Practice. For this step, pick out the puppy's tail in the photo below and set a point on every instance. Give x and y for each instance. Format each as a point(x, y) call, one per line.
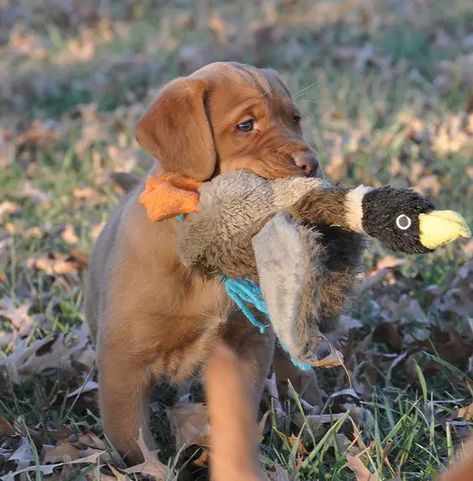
point(125, 180)
point(233, 436)
point(462, 468)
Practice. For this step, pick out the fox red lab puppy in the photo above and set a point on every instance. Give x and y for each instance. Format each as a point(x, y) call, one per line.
point(153, 318)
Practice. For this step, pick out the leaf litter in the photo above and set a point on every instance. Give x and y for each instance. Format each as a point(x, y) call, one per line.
point(401, 322)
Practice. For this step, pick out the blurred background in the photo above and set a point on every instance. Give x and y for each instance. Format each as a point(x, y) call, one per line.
point(386, 89)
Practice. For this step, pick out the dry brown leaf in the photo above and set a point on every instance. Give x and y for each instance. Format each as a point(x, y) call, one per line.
point(6, 429)
point(203, 459)
point(89, 440)
point(362, 473)
point(189, 424)
point(21, 321)
point(118, 475)
point(151, 464)
point(63, 452)
point(90, 195)
point(388, 333)
point(43, 354)
point(57, 263)
point(48, 469)
point(69, 235)
point(389, 261)
point(466, 413)
point(8, 207)
point(294, 440)
point(39, 133)
point(334, 359)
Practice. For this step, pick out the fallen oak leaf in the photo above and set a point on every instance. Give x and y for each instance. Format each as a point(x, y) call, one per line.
point(47, 469)
point(23, 454)
point(84, 388)
point(21, 355)
point(118, 475)
point(151, 464)
point(42, 354)
point(189, 423)
point(89, 440)
point(20, 320)
point(63, 452)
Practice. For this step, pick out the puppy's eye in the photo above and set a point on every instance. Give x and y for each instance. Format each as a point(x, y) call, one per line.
point(246, 126)
point(296, 119)
point(403, 222)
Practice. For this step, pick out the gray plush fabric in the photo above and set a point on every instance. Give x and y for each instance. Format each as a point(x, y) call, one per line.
point(306, 271)
point(288, 257)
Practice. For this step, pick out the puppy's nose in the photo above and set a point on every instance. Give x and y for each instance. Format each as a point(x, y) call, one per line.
point(306, 161)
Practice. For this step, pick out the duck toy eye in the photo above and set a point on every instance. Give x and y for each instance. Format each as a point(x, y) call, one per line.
point(403, 222)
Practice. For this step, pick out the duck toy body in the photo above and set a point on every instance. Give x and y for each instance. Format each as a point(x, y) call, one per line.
point(300, 239)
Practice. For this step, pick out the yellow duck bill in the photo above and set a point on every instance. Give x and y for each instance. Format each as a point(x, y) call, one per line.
point(440, 227)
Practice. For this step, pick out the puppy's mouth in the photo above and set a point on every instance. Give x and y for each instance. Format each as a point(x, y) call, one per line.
point(274, 171)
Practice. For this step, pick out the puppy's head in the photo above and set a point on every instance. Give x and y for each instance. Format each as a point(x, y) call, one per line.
point(224, 117)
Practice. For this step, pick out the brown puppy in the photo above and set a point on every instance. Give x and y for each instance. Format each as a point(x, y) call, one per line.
point(153, 318)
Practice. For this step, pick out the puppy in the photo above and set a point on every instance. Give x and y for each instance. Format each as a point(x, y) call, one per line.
point(154, 319)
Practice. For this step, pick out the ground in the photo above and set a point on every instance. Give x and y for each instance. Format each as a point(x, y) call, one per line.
point(386, 91)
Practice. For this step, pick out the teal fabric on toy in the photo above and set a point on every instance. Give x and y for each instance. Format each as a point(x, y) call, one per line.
point(243, 291)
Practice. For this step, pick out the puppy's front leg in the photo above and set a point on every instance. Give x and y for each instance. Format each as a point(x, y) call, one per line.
point(124, 393)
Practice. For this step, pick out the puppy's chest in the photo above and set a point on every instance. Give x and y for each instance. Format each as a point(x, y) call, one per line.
point(189, 334)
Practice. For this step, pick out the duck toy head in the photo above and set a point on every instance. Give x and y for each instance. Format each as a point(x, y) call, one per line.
point(404, 221)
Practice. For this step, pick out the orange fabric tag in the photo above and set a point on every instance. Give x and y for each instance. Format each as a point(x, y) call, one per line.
point(168, 195)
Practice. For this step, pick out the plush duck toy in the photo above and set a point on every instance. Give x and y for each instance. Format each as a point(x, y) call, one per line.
point(300, 239)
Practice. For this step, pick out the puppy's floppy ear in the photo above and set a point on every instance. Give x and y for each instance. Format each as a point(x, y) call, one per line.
point(175, 129)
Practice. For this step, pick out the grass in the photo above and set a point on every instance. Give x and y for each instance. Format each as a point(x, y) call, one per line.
point(385, 100)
